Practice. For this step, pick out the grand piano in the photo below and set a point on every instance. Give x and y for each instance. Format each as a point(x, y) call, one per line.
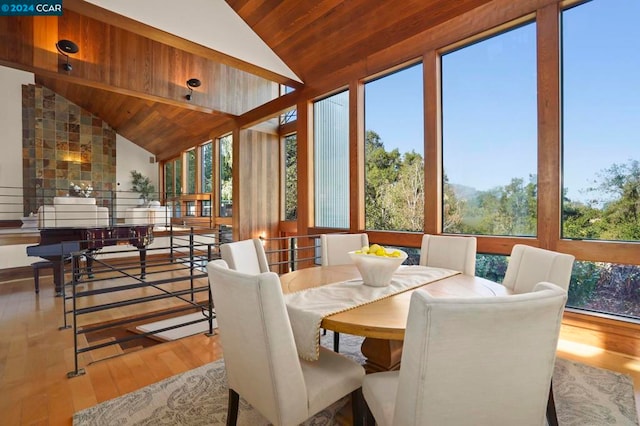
point(57, 245)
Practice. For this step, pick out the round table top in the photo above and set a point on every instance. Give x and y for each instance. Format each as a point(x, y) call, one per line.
point(386, 318)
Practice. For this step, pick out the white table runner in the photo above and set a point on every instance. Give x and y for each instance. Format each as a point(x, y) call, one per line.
point(308, 307)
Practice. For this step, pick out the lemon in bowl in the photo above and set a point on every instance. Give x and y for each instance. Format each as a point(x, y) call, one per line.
point(377, 264)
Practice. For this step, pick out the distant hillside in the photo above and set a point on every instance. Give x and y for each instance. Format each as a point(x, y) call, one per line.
point(464, 192)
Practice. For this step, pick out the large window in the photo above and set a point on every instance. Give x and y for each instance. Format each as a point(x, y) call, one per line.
point(601, 147)
point(489, 130)
point(601, 142)
point(168, 179)
point(291, 177)
point(226, 169)
point(394, 151)
point(206, 165)
point(191, 171)
point(173, 177)
point(177, 186)
point(331, 161)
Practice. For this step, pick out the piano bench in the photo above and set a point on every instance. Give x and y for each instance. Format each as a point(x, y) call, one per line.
point(37, 266)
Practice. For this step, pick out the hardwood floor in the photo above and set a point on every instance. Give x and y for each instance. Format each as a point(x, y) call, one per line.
point(35, 357)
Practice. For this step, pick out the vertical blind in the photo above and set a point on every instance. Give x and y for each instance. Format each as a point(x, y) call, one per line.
point(331, 161)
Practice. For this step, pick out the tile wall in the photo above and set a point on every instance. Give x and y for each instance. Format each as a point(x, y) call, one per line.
point(64, 144)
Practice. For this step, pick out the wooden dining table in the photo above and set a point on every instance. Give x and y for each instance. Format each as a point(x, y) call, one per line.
point(384, 321)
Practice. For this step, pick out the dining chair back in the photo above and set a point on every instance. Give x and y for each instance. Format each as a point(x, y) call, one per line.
point(335, 251)
point(335, 247)
point(246, 256)
point(467, 361)
point(260, 355)
point(530, 265)
point(448, 251)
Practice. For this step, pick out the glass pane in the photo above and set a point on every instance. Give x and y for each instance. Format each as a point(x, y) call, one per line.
point(178, 176)
point(601, 150)
point(605, 287)
point(491, 266)
point(489, 128)
point(191, 171)
point(291, 177)
point(190, 208)
point(168, 179)
point(291, 115)
point(394, 150)
point(206, 208)
point(331, 161)
point(226, 168)
point(206, 166)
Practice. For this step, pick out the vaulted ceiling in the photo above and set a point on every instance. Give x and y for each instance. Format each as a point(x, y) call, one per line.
point(133, 76)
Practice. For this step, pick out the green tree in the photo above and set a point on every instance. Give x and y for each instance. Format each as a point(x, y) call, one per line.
point(191, 171)
point(404, 198)
point(580, 220)
point(613, 209)
point(226, 169)
point(207, 167)
point(503, 210)
point(142, 185)
point(381, 169)
point(620, 186)
point(453, 208)
point(291, 177)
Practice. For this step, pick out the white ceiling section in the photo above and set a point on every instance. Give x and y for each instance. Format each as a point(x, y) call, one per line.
point(210, 23)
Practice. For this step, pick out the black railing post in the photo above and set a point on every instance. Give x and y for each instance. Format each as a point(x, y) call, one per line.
point(191, 261)
point(292, 253)
point(171, 256)
point(75, 273)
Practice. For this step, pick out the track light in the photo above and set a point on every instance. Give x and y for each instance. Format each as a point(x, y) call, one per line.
point(66, 48)
point(191, 83)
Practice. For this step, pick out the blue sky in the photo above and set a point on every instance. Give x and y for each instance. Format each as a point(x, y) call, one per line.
point(490, 106)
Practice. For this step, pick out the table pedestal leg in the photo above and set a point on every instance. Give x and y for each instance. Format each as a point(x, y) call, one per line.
point(381, 354)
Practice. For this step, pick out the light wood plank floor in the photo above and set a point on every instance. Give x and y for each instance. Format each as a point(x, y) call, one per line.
point(35, 357)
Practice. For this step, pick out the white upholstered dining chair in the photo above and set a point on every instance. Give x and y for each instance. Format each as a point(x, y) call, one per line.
point(335, 251)
point(335, 247)
point(246, 256)
point(449, 251)
point(260, 354)
point(467, 361)
point(530, 265)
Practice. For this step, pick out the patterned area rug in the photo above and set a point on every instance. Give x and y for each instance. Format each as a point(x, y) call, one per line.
point(584, 395)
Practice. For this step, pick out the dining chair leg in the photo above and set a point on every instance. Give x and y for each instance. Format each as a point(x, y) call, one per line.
point(336, 341)
point(232, 408)
point(357, 407)
point(552, 416)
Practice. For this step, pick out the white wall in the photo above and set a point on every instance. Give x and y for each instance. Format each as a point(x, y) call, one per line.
point(11, 82)
point(130, 156)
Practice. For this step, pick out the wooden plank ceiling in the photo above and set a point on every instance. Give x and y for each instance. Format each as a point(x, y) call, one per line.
point(134, 76)
point(318, 38)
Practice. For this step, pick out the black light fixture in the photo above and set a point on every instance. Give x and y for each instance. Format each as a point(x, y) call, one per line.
point(191, 83)
point(66, 48)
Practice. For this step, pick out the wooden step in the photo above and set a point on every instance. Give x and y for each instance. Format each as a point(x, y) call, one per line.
point(104, 352)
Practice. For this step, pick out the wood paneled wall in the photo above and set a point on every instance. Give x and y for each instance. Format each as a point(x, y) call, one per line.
point(256, 191)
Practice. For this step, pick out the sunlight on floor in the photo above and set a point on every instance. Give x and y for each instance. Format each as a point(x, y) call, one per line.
point(633, 366)
point(579, 349)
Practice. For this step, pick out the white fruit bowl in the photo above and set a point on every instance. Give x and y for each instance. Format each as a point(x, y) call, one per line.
point(377, 271)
